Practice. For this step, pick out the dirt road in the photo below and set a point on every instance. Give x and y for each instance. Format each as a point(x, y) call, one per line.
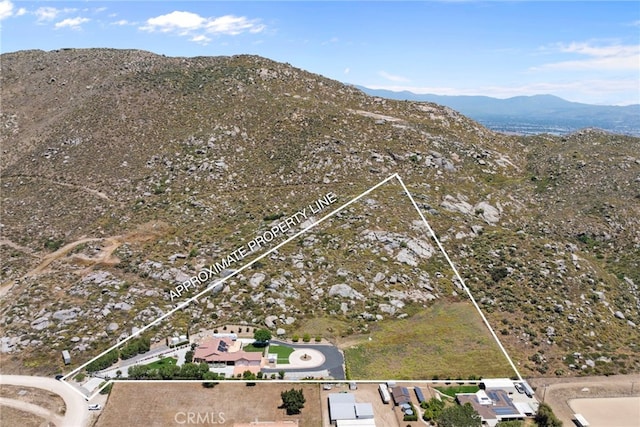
point(76, 414)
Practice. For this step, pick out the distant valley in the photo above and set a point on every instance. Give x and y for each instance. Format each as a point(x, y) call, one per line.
point(529, 115)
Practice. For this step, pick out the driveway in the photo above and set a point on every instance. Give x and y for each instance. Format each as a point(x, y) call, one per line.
point(76, 414)
point(333, 360)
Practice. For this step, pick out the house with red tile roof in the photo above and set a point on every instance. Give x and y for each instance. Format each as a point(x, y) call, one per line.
point(226, 351)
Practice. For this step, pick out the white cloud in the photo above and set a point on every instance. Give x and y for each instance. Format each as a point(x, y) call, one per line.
point(347, 70)
point(233, 25)
point(47, 13)
point(6, 9)
point(187, 23)
point(122, 22)
point(393, 78)
point(174, 21)
point(201, 39)
point(73, 23)
point(605, 57)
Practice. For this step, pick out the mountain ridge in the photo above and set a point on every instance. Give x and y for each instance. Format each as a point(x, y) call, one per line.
point(140, 169)
point(546, 111)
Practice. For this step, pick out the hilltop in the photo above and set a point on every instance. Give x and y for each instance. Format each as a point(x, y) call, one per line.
point(124, 173)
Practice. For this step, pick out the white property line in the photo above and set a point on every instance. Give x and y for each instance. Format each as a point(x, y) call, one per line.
point(187, 302)
point(236, 272)
point(464, 286)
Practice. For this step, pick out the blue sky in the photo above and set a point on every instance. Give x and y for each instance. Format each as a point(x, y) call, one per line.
point(581, 51)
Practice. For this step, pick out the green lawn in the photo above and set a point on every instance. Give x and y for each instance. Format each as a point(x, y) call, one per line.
point(453, 390)
point(253, 348)
point(282, 351)
point(162, 362)
point(446, 340)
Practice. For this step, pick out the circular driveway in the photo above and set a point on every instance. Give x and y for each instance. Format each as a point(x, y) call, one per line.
point(305, 358)
point(333, 359)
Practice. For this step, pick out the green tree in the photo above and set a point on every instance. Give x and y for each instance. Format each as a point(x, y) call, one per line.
point(209, 377)
point(306, 338)
point(190, 371)
point(281, 375)
point(512, 423)
point(104, 361)
point(188, 356)
point(138, 372)
point(546, 418)
point(107, 389)
point(168, 372)
point(432, 409)
point(262, 335)
point(293, 401)
point(459, 416)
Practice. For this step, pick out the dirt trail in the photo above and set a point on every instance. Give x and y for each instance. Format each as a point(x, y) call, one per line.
point(84, 188)
point(142, 233)
point(48, 259)
point(17, 247)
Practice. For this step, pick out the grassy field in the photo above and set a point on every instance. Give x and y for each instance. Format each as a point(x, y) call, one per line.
point(283, 352)
point(227, 403)
point(166, 361)
point(447, 340)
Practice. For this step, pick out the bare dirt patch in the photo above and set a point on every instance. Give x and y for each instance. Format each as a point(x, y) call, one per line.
point(167, 403)
point(15, 417)
point(558, 392)
point(604, 412)
point(143, 233)
point(36, 396)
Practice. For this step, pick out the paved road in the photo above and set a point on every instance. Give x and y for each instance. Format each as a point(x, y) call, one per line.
point(333, 360)
point(76, 414)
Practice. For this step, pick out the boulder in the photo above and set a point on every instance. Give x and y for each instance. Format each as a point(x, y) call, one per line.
point(345, 291)
point(64, 315)
point(41, 323)
point(270, 321)
point(487, 212)
point(256, 279)
point(378, 277)
point(122, 306)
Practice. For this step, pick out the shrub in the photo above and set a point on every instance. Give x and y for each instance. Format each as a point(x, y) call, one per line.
point(306, 338)
point(104, 361)
point(295, 338)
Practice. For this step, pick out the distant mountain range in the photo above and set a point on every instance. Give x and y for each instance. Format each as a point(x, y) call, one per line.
point(531, 114)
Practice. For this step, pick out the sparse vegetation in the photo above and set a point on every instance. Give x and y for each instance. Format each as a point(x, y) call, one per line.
point(532, 223)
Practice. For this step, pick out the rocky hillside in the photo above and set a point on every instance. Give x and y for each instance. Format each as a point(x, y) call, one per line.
point(124, 173)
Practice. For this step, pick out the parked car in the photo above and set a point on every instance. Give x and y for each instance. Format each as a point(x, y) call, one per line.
point(326, 386)
point(95, 407)
point(59, 377)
